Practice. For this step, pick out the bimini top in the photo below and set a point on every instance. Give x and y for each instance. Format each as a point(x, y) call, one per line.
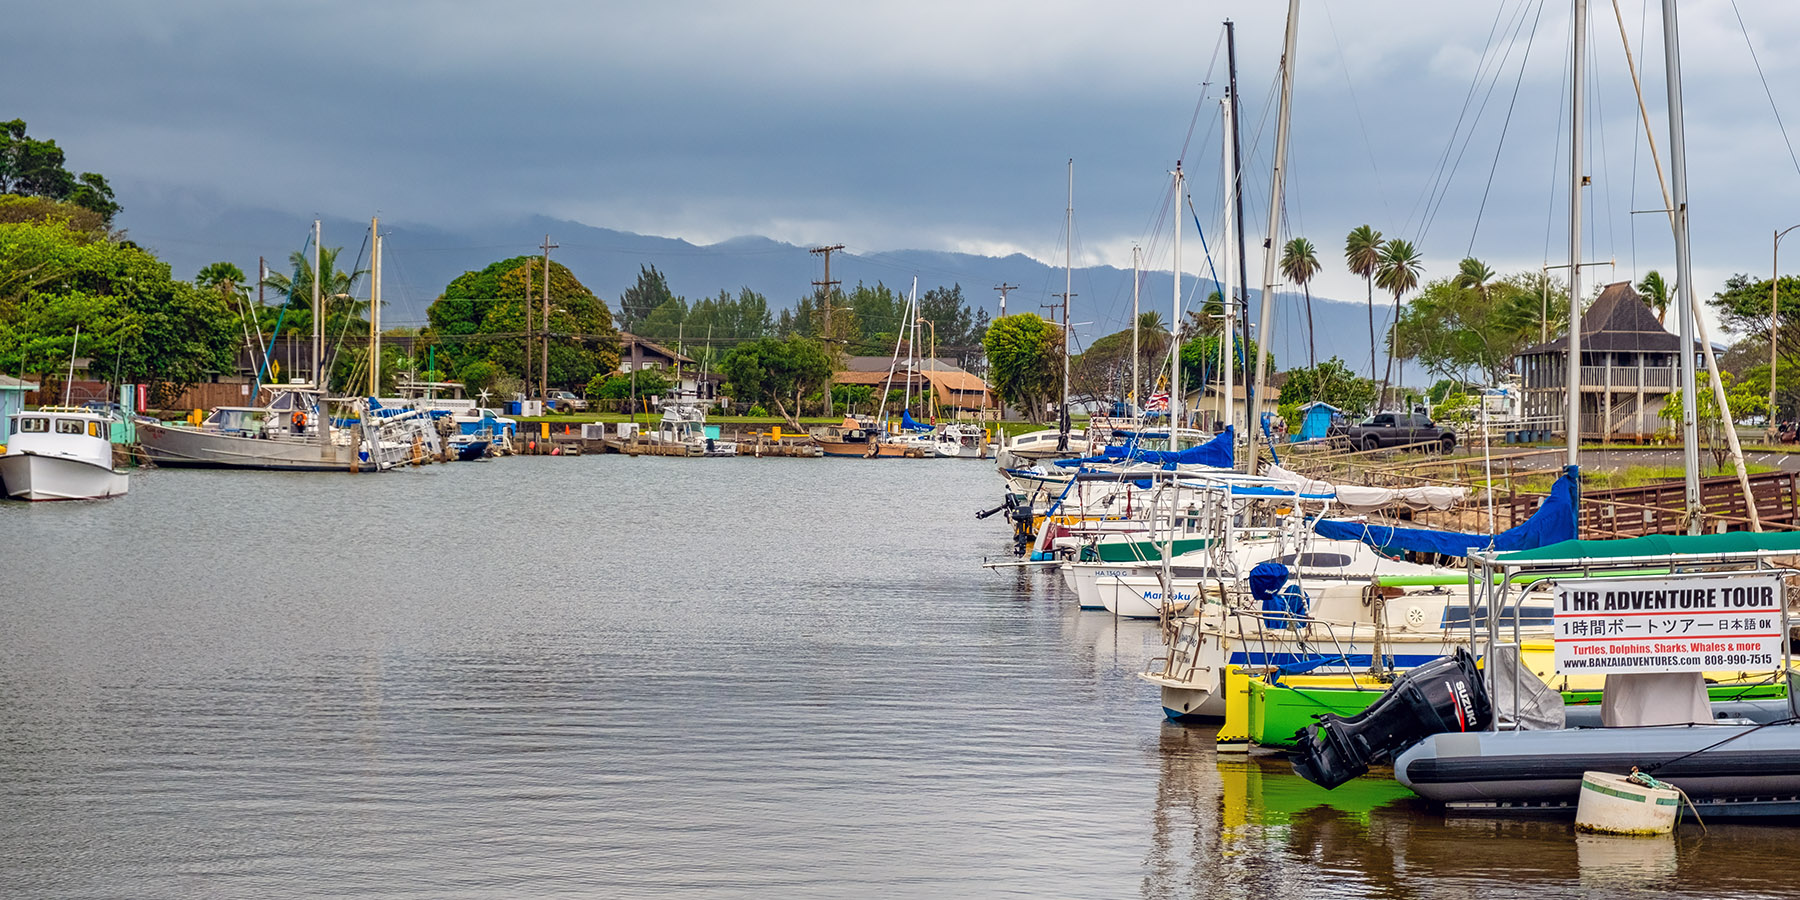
point(1660, 545)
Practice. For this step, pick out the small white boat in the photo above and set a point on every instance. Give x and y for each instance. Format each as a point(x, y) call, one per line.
point(61, 453)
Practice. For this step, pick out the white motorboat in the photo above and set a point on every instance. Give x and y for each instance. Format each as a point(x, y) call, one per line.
point(61, 453)
point(684, 424)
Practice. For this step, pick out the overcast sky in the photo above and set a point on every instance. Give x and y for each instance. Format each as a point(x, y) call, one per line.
point(924, 124)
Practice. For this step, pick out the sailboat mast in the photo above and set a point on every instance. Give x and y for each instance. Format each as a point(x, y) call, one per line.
point(1684, 272)
point(1175, 328)
point(1068, 287)
point(1576, 116)
point(1237, 183)
point(1277, 177)
point(317, 314)
point(1135, 382)
point(375, 308)
point(1229, 158)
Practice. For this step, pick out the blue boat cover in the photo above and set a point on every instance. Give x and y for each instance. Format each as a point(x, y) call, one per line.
point(1216, 453)
point(1285, 607)
point(1552, 523)
point(910, 424)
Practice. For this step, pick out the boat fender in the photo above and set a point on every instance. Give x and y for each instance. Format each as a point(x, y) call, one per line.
point(874, 448)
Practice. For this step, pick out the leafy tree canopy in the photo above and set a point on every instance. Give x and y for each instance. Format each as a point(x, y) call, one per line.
point(137, 323)
point(482, 314)
point(34, 168)
point(1024, 361)
point(772, 371)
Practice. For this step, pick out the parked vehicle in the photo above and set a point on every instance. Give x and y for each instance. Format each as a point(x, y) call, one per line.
point(567, 402)
point(1399, 429)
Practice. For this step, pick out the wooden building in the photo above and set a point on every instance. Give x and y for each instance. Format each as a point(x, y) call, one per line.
point(1628, 371)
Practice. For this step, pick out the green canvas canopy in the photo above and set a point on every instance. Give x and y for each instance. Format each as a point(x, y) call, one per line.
point(1661, 545)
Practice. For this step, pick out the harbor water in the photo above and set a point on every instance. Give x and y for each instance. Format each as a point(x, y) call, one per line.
point(653, 677)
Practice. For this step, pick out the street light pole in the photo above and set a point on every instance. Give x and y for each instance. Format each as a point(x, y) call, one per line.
point(1775, 325)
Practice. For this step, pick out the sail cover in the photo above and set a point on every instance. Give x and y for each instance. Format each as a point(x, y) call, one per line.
point(910, 424)
point(1215, 453)
point(1553, 522)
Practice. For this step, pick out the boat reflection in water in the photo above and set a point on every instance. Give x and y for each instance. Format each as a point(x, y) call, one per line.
point(1249, 827)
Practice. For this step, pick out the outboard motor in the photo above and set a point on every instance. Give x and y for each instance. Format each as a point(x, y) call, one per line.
point(1444, 695)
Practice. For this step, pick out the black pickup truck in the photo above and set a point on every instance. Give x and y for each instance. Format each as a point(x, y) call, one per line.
point(1398, 429)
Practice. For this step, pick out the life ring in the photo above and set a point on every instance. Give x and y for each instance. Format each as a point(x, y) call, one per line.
point(299, 418)
point(874, 448)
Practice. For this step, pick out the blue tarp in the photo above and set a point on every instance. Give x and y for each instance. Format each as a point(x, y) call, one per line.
point(1553, 522)
point(907, 422)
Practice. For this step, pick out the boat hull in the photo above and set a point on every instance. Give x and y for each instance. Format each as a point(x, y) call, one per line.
point(1728, 769)
point(175, 447)
point(36, 476)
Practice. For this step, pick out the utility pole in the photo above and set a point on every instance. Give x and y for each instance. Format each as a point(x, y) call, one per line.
point(825, 289)
point(526, 304)
point(1003, 288)
point(544, 369)
point(825, 302)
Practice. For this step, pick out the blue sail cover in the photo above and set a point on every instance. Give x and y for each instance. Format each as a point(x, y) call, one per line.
point(910, 424)
point(1215, 453)
point(1552, 523)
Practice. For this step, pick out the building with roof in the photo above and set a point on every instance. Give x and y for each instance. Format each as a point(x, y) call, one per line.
point(1628, 371)
point(12, 400)
point(957, 390)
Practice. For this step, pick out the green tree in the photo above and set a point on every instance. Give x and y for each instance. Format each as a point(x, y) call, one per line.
point(137, 322)
point(1024, 355)
point(1397, 272)
point(1328, 382)
point(1362, 254)
point(643, 297)
point(1200, 363)
point(34, 168)
point(1299, 263)
point(481, 316)
point(778, 372)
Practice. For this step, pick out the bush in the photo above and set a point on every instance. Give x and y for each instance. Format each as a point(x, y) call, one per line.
point(758, 410)
point(609, 386)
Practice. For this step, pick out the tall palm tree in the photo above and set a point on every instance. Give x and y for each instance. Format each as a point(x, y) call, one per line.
point(1153, 341)
point(1299, 263)
point(1656, 292)
point(1396, 272)
point(1473, 274)
point(1362, 253)
point(332, 282)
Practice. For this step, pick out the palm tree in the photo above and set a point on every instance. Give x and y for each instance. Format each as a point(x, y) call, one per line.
point(332, 284)
point(1656, 292)
point(1397, 272)
point(1362, 253)
point(1153, 341)
point(1299, 263)
point(1473, 274)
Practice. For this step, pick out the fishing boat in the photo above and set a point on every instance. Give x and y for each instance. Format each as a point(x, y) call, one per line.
point(683, 426)
point(287, 434)
point(61, 453)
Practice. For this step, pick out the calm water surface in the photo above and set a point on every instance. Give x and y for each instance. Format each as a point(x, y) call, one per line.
point(615, 677)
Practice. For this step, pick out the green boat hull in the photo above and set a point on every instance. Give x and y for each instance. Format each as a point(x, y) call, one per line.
point(1277, 712)
point(1137, 551)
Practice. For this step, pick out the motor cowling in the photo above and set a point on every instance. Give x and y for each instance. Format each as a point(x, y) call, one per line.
point(1444, 695)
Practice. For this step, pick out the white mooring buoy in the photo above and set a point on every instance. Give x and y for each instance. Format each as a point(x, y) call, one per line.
point(1626, 804)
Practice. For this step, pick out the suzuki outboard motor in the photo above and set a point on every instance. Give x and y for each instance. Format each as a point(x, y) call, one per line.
point(1442, 695)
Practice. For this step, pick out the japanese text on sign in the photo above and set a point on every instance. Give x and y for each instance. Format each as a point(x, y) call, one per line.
point(1693, 624)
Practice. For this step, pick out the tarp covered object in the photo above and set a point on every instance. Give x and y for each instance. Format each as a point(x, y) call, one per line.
point(910, 424)
point(1362, 498)
point(1553, 522)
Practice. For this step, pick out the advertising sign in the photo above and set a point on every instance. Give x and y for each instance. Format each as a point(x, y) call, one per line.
point(1668, 624)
